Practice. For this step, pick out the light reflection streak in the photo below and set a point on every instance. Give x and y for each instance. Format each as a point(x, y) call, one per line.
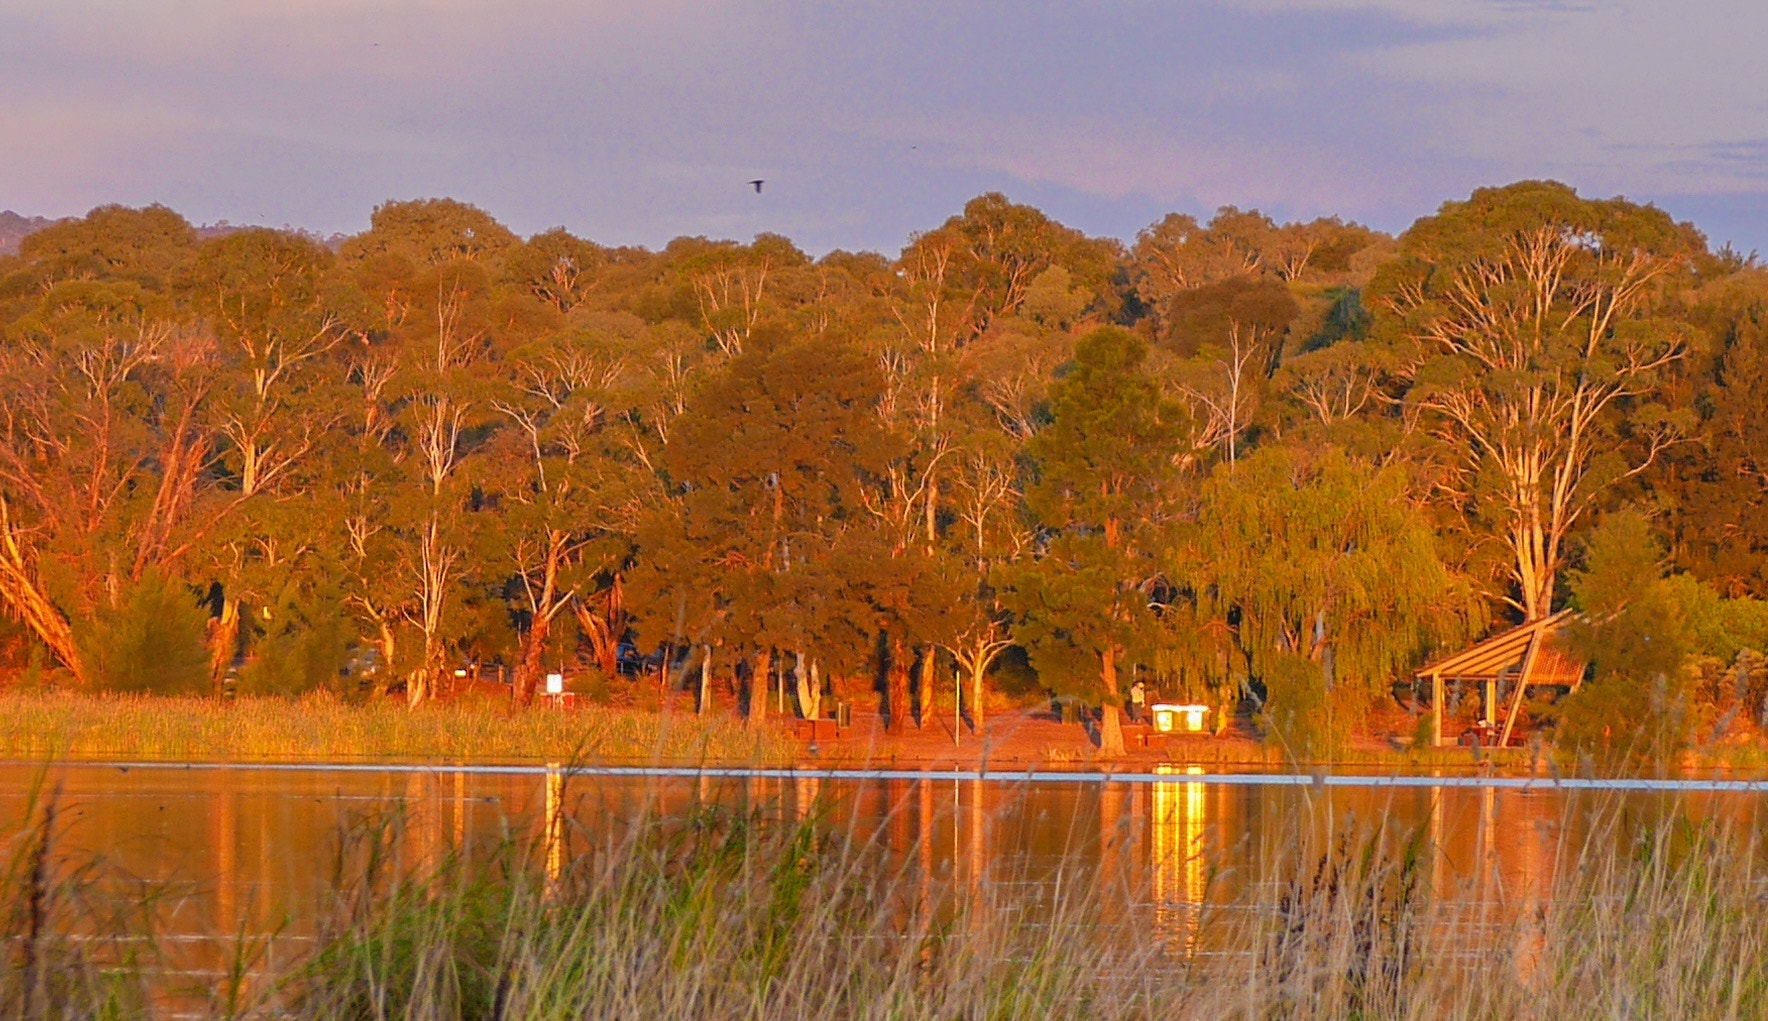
point(1180, 813)
point(553, 839)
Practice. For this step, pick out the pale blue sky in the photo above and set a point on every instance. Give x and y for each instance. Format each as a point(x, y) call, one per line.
point(633, 121)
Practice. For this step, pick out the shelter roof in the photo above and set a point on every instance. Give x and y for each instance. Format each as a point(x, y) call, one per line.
point(1505, 652)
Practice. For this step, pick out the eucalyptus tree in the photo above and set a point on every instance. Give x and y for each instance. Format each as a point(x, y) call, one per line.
point(1179, 253)
point(989, 536)
point(724, 289)
point(1102, 486)
point(1537, 326)
point(560, 500)
point(442, 315)
point(277, 311)
point(103, 441)
point(430, 232)
point(148, 247)
point(1231, 335)
point(559, 269)
point(999, 266)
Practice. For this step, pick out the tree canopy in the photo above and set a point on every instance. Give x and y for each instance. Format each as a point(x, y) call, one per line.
point(1232, 458)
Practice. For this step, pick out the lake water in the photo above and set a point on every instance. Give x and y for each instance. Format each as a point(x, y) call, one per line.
point(225, 850)
point(246, 848)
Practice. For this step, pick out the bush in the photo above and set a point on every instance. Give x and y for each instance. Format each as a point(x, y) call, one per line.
point(152, 641)
point(1638, 632)
point(1621, 722)
point(303, 647)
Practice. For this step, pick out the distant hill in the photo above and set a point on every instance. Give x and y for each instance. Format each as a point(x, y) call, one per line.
point(15, 228)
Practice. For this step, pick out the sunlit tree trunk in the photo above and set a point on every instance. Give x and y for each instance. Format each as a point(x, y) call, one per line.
point(1110, 726)
point(810, 695)
point(25, 598)
point(924, 686)
point(896, 687)
point(224, 643)
point(388, 644)
point(530, 666)
point(435, 576)
point(760, 679)
point(705, 698)
point(978, 669)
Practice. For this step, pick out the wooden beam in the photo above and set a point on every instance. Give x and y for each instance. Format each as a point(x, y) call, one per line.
point(1522, 685)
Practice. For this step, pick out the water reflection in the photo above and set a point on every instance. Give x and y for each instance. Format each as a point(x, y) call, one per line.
point(241, 850)
point(553, 842)
point(1177, 858)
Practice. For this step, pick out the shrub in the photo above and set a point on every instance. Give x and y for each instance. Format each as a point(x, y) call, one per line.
point(151, 641)
point(1622, 722)
point(303, 647)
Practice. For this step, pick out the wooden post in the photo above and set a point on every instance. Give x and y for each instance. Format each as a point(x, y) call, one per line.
point(1487, 711)
point(1436, 708)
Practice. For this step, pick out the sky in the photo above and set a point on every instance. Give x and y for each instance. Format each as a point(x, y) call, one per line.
point(635, 121)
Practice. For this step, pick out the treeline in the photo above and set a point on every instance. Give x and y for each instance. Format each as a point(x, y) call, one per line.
point(1235, 456)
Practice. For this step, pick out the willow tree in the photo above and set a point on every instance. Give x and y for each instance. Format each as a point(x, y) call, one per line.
point(1538, 330)
point(1323, 577)
point(1103, 472)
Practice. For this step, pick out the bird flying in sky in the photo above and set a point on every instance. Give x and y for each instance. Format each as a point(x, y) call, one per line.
point(757, 185)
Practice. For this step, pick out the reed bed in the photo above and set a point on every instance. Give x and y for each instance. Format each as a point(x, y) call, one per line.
point(154, 728)
point(720, 915)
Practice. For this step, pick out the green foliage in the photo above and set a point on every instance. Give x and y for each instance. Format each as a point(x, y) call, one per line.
point(1102, 481)
point(1210, 316)
point(146, 245)
point(1302, 717)
point(1714, 492)
point(1634, 631)
point(151, 641)
point(429, 232)
point(302, 645)
point(1625, 723)
point(1317, 559)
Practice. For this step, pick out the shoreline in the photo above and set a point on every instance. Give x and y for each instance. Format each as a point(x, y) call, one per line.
point(74, 729)
point(1490, 781)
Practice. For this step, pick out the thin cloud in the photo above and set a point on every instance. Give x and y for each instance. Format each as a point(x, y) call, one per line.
point(635, 121)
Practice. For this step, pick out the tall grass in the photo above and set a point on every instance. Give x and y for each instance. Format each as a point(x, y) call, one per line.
point(724, 915)
point(730, 916)
point(149, 728)
point(65, 947)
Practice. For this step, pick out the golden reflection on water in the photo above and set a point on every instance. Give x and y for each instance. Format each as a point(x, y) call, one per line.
point(553, 843)
point(1177, 858)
